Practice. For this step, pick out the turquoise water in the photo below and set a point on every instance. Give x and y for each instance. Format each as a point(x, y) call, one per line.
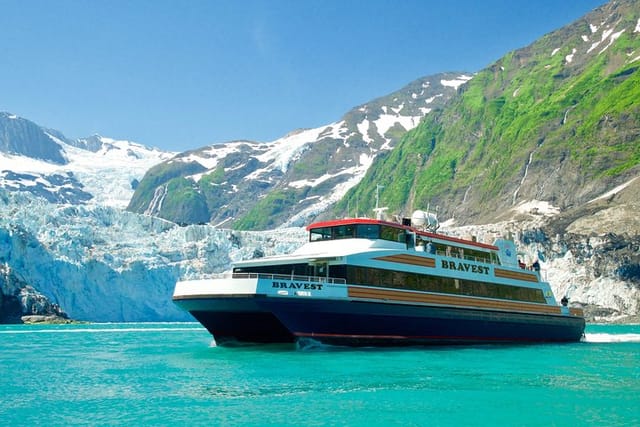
point(168, 374)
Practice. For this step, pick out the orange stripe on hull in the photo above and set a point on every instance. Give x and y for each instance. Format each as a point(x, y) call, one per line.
point(409, 259)
point(450, 300)
point(515, 275)
point(578, 312)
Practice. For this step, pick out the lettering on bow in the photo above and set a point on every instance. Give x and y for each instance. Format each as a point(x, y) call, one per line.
point(297, 285)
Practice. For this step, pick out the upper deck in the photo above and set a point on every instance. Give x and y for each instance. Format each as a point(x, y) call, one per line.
point(368, 228)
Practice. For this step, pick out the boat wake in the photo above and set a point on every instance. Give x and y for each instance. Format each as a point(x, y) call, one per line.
point(309, 344)
point(611, 338)
point(95, 330)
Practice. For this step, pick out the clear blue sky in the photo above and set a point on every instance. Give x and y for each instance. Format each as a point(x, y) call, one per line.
point(179, 75)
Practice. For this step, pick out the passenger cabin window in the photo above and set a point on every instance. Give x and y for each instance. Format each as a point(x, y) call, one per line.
point(323, 233)
point(369, 276)
point(368, 231)
point(392, 233)
point(360, 231)
point(451, 250)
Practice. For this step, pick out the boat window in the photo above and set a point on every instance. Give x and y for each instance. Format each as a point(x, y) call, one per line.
point(391, 233)
point(344, 232)
point(349, 231)
point(476, 255)
point(446, 285)
point(323, 233)
point(368, 231)
point(362, 231)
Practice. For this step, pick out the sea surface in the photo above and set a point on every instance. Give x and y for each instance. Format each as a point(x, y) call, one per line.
point(169, 374)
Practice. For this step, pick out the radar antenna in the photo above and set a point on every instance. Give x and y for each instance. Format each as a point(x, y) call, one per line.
point(425, 220)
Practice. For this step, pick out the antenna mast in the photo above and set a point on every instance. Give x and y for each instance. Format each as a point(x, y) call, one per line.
point(378, 210)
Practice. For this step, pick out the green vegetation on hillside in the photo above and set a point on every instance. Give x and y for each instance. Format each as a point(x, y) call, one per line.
point(563, 122)
point(158, 175)
point(261, 216)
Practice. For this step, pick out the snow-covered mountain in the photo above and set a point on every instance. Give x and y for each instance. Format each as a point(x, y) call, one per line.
point(289, 181)
point(95, 170)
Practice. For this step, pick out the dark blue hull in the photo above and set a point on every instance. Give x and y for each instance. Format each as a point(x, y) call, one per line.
point(237, 319)
point(363, 323)
point(369, 323)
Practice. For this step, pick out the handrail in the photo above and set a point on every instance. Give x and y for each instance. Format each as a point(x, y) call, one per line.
point(467, 257)
point(318, 279)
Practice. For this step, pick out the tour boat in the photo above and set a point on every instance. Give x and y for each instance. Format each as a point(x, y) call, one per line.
point(373, 282)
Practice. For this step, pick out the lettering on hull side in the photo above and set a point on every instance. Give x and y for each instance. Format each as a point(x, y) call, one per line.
point(465, 266)
point(297, 285)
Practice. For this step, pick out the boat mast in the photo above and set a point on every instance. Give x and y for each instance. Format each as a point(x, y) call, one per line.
point(378, 210)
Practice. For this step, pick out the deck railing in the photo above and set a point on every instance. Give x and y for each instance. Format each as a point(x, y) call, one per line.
point(315, 279)
point(454, 254)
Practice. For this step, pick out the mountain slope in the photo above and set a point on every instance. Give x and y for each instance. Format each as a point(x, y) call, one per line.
point(252, 185)
point(90, 170)
point(557, 121)
point(24, 138)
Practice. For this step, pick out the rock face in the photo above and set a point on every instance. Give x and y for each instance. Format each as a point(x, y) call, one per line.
point(23, 137)
point(590, 253)
point(20, 302)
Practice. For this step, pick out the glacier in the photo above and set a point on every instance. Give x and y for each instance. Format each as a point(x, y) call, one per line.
point(104, 264)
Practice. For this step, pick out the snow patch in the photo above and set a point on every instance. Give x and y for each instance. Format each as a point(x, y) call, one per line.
point(339, 191)
point(456, 83)
point(607, 34)
point(433, 98)
point(614, 191)
point(363, 128)
point(387, 121)
point(637, 29)
point(612, 39)
point(569, 57)
point(397, 110)
point(283, 150)
point(209, 158)
point(536, 207)
point(555, 51)
point(336, 130)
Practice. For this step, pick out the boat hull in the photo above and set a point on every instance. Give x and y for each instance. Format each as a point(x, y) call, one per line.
point(237, 319)
point(374, 323)
point(262, 319)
